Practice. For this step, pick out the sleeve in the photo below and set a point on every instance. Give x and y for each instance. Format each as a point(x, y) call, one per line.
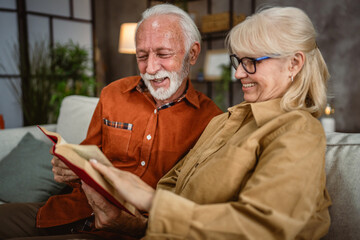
point(277, 201)
point(94, 133)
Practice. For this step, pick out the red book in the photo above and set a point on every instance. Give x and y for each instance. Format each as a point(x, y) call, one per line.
point(77, 157)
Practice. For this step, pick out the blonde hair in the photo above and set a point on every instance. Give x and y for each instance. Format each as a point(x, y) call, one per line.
point(282, 31)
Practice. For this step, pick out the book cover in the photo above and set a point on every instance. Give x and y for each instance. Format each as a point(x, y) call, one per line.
point(76, 157)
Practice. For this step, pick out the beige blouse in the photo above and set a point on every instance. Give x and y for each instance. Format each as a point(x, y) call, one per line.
point(256, 172)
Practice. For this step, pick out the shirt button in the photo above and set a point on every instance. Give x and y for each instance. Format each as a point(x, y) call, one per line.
point(220, 141)
point(155, 111)
point(148, 137)
point(142, 163)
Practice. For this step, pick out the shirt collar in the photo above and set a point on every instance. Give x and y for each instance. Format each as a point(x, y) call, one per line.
point(130, 83)
point(262, 111)
point(192, 95)
point(136, 82)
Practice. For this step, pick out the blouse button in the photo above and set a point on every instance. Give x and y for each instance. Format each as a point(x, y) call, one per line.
point(155, 111)
point(142, 163)
point(148, 137)
point(220, 141)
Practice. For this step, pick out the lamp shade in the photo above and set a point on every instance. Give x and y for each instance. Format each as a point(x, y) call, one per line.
point(127, 38)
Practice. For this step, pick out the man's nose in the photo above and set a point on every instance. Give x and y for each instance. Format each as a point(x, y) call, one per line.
point(153, 65)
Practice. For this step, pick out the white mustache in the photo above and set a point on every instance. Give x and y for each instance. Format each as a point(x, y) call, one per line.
point(158, 75)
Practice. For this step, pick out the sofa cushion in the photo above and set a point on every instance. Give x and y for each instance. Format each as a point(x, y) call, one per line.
point(74, 118)
point(11, 137)
point(25, 173)
point(343, 184)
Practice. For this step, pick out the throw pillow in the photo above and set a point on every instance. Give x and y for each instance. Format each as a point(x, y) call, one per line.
point(25, 173)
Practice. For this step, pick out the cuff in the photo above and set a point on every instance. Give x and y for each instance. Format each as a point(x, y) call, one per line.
point(170, 216)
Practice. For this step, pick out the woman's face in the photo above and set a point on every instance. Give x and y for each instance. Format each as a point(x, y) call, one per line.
point(271, 79)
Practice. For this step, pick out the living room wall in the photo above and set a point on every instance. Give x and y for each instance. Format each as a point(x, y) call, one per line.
point(337, 24)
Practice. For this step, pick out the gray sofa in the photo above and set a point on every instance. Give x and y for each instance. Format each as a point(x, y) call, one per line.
point(342, 162)
point(25, 166)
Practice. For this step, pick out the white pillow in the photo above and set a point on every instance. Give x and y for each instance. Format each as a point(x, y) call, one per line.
point(75, 116)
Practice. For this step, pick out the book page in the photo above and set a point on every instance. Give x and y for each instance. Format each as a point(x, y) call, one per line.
point(82, 167)
point(90, 152)
point(54, 137)
point(77, 157)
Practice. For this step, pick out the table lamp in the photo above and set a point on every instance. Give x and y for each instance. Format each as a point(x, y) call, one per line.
point(127, 38)
point(127, 41)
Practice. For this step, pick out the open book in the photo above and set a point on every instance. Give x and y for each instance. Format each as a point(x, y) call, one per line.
point(77, 157)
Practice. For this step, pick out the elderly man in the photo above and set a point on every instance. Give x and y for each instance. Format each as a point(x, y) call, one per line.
point(142, 124)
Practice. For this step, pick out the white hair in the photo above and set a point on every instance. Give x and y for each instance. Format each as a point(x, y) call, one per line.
point(190, 30)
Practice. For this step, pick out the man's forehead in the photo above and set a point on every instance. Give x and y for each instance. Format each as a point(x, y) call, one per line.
point(155, 24)
point(159, 33)
point(162, 21)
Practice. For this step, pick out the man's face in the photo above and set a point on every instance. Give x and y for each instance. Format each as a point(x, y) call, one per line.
point(161, 56)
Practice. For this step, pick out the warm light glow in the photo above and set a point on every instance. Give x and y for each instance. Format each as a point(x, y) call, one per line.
point(327, 110)
point(127, 38)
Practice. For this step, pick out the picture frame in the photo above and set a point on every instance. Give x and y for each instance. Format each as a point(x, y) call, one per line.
point(213, 61)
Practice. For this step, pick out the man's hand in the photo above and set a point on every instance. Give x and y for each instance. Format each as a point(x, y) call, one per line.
point(110, 218)
point(62, 173)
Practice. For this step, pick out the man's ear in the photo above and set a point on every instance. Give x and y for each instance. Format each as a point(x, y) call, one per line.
point(194, 52)
point(297, 62)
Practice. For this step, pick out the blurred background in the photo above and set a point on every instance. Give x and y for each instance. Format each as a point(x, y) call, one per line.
point(53, 48)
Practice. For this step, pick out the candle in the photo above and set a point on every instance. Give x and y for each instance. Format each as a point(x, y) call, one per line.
point(328, 124)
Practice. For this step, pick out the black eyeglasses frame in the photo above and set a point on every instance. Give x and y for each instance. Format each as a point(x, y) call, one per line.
point(240, 60)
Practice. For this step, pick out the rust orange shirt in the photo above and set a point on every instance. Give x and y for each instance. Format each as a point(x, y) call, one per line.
point(137, 137)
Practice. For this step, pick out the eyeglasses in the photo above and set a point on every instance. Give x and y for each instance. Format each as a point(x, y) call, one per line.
point(249, 64)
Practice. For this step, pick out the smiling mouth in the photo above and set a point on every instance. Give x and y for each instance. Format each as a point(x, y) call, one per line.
point(248, 85)
point(159, 80)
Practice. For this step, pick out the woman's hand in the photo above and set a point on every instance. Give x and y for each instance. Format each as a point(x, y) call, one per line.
point(128, 185)
point(110, 218)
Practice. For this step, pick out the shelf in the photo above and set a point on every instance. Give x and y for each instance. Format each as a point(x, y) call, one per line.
point(214, 35)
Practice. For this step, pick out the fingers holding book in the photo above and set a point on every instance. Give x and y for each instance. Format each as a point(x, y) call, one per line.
point(111, 218)
point(128, 185)
point(62, 173)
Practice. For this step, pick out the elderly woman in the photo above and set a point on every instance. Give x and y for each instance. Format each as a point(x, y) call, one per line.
point(257, 172)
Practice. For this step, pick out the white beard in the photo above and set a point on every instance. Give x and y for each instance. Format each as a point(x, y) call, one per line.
point(176, 79)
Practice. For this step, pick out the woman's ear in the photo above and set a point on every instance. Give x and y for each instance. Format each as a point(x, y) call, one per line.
point(297, 62)
point(194, 52)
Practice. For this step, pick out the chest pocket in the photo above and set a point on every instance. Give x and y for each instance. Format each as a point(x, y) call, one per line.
point(116, 140)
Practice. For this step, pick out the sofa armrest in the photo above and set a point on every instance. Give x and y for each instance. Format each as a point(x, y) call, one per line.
point(343, 177)
point(9, 138)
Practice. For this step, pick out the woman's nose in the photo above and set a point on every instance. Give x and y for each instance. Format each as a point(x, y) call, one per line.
point(240, 72)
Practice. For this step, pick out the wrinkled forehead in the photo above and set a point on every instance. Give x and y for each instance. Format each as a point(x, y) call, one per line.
point(156, 33)
point(162, 23)
point(167, 26)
